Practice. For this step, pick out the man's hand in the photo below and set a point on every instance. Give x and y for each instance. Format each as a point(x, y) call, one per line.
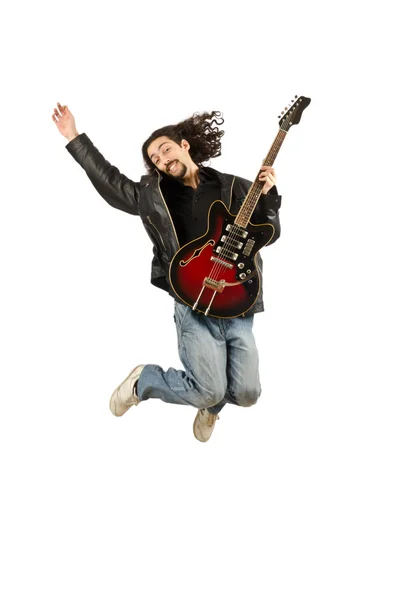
point(64, 120)
point(268, 176)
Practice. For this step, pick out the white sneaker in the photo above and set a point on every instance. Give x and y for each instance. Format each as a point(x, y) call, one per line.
point(204, 424)
point(124, 396)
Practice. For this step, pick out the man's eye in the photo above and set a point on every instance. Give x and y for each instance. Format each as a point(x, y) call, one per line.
point(168, 149)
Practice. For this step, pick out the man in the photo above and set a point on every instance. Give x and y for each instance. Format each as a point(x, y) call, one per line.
point(219, 355)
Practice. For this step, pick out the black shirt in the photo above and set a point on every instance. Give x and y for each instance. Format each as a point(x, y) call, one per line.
point(189, 207)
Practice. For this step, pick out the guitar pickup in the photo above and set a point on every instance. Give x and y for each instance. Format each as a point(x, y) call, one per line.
point(226, 253)
point(230, 242)
point(236, 230)
point(235, 243)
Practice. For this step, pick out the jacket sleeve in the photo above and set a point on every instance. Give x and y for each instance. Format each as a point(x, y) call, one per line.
point(114, 187)
point(266, 210)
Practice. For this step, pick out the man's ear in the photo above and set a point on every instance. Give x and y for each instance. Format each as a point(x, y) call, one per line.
point(185, 145)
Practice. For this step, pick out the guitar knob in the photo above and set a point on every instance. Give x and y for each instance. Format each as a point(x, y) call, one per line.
point(242, 275)
point(240, 265)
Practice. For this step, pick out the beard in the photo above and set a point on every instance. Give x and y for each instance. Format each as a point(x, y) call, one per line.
point(180, 172)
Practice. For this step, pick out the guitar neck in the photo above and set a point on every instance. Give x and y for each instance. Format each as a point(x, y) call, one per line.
point(255, 190)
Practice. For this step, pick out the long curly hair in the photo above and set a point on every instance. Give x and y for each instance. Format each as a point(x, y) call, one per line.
point(200, 130)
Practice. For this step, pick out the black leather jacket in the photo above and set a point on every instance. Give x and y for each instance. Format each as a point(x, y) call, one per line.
point(146, 200)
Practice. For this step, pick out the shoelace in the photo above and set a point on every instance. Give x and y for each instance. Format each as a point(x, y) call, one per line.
point(211, 419)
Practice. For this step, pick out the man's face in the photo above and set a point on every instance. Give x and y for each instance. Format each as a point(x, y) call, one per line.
point(169, 157)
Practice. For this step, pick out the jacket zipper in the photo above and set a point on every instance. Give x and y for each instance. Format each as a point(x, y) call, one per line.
point(165, 204)
point(231, 190)
point(161, 237)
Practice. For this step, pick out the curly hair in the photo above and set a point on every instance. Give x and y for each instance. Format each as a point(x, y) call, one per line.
point(200, 130)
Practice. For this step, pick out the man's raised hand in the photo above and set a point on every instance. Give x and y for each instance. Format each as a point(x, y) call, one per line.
point(64, 120)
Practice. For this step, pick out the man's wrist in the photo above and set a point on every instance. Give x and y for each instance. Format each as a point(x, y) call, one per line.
point(71, 136)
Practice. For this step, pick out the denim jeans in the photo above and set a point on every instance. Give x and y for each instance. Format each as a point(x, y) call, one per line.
point(220, 360)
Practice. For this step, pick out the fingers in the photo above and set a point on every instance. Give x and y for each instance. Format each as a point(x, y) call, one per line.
point(266, 169)
point(268, 178)
point(267, 172)
point(59, 111)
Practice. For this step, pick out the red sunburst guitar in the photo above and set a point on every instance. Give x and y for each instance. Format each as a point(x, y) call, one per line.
point(217, 274)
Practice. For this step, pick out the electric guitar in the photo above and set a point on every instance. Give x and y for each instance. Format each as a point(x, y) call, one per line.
point(217, 273)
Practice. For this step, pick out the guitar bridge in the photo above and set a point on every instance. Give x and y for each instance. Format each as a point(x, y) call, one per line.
point(221, 262)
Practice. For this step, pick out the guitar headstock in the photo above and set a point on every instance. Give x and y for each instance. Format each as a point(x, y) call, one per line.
point(291, 115)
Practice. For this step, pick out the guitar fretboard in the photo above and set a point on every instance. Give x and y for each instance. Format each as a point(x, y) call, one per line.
point(255, 190)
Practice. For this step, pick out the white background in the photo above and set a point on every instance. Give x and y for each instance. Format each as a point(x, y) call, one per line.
point(292, 498)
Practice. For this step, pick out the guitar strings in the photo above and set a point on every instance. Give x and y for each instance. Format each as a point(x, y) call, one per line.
point(233, 237)
point(255, 191)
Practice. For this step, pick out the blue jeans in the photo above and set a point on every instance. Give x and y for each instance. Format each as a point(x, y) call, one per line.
point(220, 360)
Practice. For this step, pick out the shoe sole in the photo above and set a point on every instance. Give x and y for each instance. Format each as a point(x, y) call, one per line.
point(194, 432)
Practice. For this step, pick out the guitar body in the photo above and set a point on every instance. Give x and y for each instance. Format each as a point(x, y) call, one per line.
point(217, 273)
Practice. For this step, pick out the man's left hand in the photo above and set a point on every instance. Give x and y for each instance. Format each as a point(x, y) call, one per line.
point(268, 176)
